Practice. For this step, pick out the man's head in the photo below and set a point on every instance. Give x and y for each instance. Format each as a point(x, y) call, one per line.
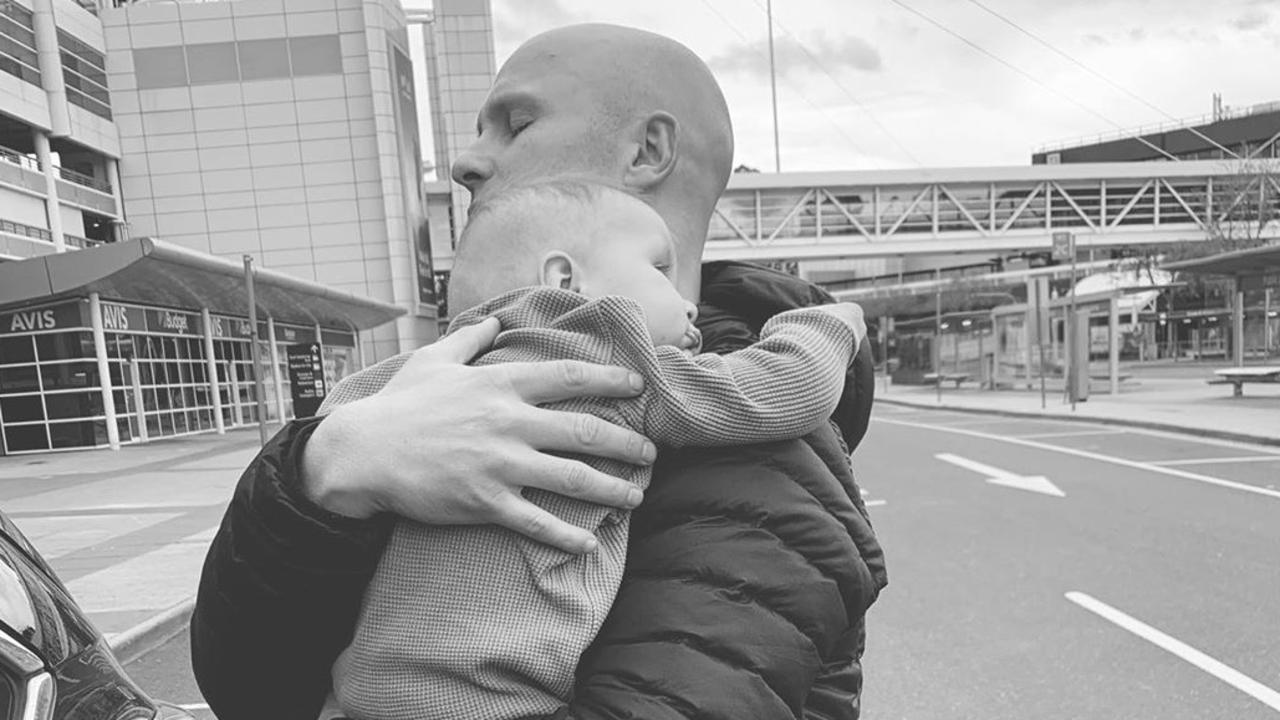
point(620, 106)
point(578, 236)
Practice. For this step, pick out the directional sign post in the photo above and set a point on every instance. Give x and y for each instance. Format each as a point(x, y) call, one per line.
point(306, 378)
point(996, 476)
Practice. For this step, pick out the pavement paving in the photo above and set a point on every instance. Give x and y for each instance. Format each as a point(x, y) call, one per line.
point(1159, 396)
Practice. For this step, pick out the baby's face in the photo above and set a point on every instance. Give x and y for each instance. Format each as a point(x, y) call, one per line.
point(633, 255)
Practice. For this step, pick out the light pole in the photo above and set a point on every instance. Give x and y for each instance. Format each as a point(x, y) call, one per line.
point(773, 88)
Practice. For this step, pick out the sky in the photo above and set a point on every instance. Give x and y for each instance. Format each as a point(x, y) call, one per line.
point(877, 84)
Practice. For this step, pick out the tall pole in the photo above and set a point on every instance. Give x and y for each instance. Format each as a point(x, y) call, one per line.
point(937, 331)
point(1040, 323)
point(773, 88)
point(253, 349)
point(1073, 351)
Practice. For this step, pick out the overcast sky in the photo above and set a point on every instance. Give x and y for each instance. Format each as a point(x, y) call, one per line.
point(865, 84)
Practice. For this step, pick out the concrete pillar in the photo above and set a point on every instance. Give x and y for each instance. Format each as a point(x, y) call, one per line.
point(104, 370)
point(1028, 325)
point(52, 208)
point(50, 60)
point(275, 369)
point(138, 400)
point(1266, 322)
point(1237, 326)
point(120, 228)
point(211, 368)
point(1113, 335)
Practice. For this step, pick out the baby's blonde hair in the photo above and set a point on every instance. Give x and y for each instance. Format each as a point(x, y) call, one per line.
point(507, 235)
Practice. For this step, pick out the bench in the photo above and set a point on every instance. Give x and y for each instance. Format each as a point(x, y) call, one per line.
point(957, 378)
point(1238, 376)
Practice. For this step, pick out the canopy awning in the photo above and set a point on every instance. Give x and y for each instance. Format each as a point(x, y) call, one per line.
point(152, 272)
point(1254, 261)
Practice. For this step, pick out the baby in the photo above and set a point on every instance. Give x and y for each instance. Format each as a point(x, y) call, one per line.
point(478, 622)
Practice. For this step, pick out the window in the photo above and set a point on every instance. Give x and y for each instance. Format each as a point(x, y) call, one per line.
point(212, 63)
point(263, 59)
point(85, 75)
point(160, 67)
point(316, 55)
point(18, 42)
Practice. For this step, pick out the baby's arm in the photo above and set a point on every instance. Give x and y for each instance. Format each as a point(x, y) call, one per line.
point(781, 387)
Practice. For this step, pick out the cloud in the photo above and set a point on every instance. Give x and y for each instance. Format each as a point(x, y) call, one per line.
point(1253, 19)
point(513, 21)
point(848, 52)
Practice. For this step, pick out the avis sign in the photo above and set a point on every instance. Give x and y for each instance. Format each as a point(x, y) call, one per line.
point(57, 317)
point(306, 378)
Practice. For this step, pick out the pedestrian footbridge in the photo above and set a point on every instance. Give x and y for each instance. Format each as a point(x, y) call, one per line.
point(866, 214)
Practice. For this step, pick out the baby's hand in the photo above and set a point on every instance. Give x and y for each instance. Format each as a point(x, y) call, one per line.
point(851, 314)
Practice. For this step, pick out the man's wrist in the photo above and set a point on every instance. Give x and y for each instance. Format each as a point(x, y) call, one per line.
point(326, 479)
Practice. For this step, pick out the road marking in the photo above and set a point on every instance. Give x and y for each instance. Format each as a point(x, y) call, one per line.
point(875, 503)
point(996, 476)
point(1218, 669)
point(195, 706)
point(1208, 479)
point(1073, 433)
point(1210, 461)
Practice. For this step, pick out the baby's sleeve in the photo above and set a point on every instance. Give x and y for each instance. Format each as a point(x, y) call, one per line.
point(781, 387)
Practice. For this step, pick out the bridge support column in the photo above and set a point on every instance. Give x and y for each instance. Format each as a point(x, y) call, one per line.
point(1237, 325)
point(1113, 333)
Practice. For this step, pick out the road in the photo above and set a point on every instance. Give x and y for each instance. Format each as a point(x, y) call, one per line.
point(977, 621)
point(1139, 578)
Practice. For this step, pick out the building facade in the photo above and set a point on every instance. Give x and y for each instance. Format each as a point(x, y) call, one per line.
point(282, 130)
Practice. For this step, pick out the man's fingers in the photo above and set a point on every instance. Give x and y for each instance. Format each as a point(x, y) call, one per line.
point(532, 521)
point(586, 434)
point(462, 346)
point(546, 382)
point(580, 481)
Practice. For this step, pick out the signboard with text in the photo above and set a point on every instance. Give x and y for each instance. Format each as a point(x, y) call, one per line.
point(306, 378)
point(56, 317)
point(410, 152)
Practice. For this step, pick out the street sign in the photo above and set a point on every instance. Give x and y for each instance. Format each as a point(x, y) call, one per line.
point(1063, 247)
point(306, 378)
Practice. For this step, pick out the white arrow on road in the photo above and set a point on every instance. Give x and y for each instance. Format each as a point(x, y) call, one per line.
point(996, 476)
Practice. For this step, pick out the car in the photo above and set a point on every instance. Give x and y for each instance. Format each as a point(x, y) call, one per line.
point(54, 665)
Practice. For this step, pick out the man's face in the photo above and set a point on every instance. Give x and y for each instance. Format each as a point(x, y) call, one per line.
point(542, 118)
point(633, 254)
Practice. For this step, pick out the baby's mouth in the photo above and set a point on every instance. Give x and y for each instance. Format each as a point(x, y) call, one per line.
point(692, 341)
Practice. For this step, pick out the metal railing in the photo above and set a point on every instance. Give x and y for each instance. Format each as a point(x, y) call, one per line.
point(85, 180)
point(16, 158)
point(1165, 126)
point(81, 242)
point(17, 228)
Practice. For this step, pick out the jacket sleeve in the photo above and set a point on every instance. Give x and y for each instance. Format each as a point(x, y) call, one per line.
point(781, 387)
point(280, 591)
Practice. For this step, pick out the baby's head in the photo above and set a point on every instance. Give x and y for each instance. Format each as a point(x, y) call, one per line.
point(578, 236)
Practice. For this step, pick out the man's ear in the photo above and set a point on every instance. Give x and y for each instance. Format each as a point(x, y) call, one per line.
point(559, 271)
point(656, 152)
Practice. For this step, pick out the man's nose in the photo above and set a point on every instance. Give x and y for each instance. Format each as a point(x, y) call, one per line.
point(473, 168)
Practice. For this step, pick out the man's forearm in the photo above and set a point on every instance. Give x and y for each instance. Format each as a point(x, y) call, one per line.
point(280, 591)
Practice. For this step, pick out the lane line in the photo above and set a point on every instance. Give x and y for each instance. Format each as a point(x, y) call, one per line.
point(1208, 479)
point(1183, 651)
point(875, 503)
point(1073, 433)
point(1210, 461)
point(195, 706)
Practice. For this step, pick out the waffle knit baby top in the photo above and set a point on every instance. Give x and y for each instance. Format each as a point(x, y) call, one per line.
point(477, 622)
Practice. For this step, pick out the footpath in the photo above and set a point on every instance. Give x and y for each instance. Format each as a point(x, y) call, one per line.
point(127, 531)
point(1167, 396)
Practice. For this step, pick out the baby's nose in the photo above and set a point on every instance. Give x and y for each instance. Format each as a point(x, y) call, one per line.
point(691, 311)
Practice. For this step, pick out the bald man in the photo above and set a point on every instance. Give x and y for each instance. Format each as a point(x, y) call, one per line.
point(749, 572)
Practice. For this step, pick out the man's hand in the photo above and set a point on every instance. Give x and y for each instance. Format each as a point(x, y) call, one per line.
point(851, 314)
point(448, 444)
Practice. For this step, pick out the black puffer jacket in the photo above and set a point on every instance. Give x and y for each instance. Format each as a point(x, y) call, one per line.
point(749, 572)
point(750, 569)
